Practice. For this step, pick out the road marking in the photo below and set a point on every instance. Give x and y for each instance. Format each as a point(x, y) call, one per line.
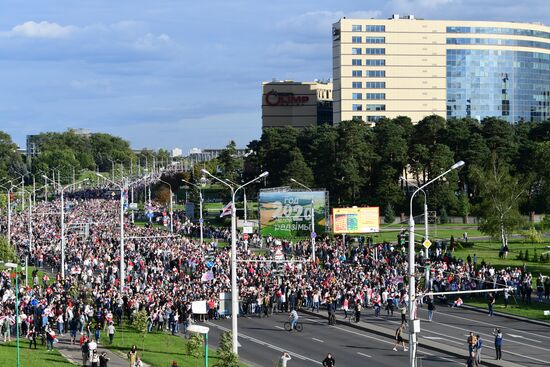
point(279, 327)
point(271, 346)
point(364, 355)
point(493, 325)
point(318, 340)
point(432, 337)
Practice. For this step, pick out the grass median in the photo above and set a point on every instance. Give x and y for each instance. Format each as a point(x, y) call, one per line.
point(160, 349)
point(31, 357)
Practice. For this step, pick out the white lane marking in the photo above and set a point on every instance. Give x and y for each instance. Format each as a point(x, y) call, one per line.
point(279, 327)
point(448, 337)
point(495, 325)
point(432, 337)
point(318, 340)
point(271, 346)
point(364, 355)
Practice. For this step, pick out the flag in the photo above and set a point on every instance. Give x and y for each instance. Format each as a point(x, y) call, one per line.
point(207, 276)
point(227, 209)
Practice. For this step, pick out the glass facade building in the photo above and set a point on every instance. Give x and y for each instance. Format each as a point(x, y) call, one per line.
point(448, 68)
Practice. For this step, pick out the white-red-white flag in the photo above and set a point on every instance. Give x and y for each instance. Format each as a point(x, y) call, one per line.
point(227, 209)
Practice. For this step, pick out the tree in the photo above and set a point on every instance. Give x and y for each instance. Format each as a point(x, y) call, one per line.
point(226, 357)
point(389, 214)
point(7, 252)
point(229, 163)
point(140, 324)
point(10, 160)
point(297, 169)
point(500, 195)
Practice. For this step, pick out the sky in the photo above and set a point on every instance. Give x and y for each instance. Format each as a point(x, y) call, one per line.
point(179, 73)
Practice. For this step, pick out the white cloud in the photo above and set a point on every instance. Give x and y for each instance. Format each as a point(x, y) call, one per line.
point(43, 29)
point(150, 41)
point(321, 21)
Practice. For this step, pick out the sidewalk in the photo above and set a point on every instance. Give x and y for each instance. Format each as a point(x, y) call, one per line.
point(422, 342)
point(74, 354)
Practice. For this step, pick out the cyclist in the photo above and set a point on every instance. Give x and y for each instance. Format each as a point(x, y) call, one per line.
point(293, 318)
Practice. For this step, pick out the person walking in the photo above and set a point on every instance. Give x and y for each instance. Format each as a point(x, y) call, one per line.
point(32, 336)
point(85, 349)
point(479, 347)
point(103, 360)
point(472, 341)
point(284, 359)
point(132, 355)
point(498, 343)
point(431, 309)
point(111, 332)
point(94, 358)
point(329, 361)
point(490, 303)
point(399, 338)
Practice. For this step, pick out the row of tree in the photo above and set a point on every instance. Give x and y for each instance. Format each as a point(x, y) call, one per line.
point(362, 165)
point(70, 151)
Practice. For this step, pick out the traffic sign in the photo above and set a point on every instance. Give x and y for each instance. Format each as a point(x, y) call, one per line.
point(313, 234)
point(200, 221)
point(427, 243)
point(150, 215)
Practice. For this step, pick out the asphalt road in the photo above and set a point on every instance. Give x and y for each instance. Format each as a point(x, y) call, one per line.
point(264, 339)
point(524, 343)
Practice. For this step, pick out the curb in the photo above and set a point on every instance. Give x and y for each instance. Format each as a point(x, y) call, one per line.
point(428, 344)
point(506, 315)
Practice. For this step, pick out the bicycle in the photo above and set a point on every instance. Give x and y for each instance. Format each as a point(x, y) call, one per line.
point(353, 319)
point(298, 327)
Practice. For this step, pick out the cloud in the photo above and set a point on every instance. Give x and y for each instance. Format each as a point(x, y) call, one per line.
point(43, 29)
point(320, 21)
point(150, 41)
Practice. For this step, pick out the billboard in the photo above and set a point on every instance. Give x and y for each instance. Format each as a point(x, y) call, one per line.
point(356, 220)
point(287, 214)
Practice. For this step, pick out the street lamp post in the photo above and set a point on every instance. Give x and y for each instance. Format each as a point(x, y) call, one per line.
point(14, 266)
point(171, 209)
point(201, 220)
point(413, 323)
point(121, 187)
point(63, 225)
point(234, 288)
point(427, 273)
point(312, 220)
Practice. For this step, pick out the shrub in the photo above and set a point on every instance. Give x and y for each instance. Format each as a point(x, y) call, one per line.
point(520, 255)
point(443, 217)
point(532, 235)
point(194, 345)
point(225, 352)
point(535, 257)
point(465, 244)
point(526, 257)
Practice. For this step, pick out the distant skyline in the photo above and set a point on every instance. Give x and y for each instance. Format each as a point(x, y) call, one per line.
point(167, 73)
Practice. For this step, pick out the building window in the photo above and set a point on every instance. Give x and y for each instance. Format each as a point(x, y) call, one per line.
point(356, 62)
point(357, 85)
point(375, 96)
point(375, 51)
point(376, 107)
point(356, 73)
point(356, 51)
point(356, 28)
point(375, 28)
point(357, 107)
point(356, 39)
point(374, 62)
point(374, 118)
point(376, 85)
point(357, 96)
point(376, 73)
point(375, 39)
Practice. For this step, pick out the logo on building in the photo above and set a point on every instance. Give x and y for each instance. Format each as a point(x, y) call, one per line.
point(274, 98)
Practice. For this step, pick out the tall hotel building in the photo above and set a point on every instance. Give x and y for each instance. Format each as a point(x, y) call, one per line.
point(413, 67)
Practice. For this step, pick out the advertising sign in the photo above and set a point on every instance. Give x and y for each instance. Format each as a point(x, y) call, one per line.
point(199, 307)
point(287, 214)
point(356, 220)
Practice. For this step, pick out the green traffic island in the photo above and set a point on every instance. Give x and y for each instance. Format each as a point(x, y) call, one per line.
point(161, 348)
point(31, 357)
point(515, 307)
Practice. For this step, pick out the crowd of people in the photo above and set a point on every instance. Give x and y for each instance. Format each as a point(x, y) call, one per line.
point(165, 273)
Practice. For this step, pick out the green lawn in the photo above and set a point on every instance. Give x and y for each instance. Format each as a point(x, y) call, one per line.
point(160, 348)
point(31, 357)
point(488, 251)
point(515, 307)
